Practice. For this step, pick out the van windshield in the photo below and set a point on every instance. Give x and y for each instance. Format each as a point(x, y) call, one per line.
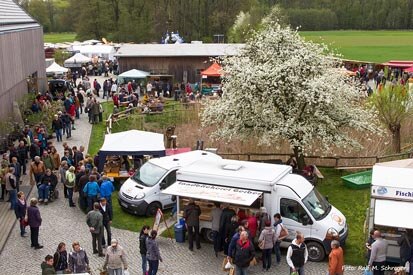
point(149, 174)
point(316, 203)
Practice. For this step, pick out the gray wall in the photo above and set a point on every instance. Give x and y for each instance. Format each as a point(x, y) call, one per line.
point(175, 66)
point(21, 55)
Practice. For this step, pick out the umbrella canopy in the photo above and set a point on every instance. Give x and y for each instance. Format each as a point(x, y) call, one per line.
point(409, 70)
point(56, 68)
point(214, 70)
point(77, 60)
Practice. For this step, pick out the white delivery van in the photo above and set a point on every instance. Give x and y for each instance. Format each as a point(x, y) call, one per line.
point(251, 185)
point(141, 193)
point(391, 202)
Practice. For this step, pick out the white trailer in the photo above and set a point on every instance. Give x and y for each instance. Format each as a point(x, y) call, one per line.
point(391, 202)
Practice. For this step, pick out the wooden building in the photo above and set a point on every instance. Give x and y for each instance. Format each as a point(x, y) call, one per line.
point(22, 62)
point(183, 62)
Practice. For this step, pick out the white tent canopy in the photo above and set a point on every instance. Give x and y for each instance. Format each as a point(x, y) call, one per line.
point(77, 60)
point(132, 74)
point(132, 142)
point(107, 52)
point(56, 68)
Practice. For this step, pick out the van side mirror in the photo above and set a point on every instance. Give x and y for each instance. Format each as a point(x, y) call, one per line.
point(327, 198)
point(307, 220)
point(162, 185)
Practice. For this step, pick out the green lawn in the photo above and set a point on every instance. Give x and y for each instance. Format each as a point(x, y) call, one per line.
point(374, 46)
point(353, 204)
point(98, 130)
point(59, 37)
point(127, 221)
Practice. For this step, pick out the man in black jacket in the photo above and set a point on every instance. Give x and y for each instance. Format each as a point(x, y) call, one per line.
point(49, 179)
point(243, 253)
point(107, 214)
point(192, 213)
point(57, 126)
point(225, 225)
point(22, 153)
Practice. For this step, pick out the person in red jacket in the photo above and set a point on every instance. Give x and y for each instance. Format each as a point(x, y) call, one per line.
point(115, 99)
point(72, 114)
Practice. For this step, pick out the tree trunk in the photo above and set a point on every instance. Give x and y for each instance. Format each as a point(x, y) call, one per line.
point(298, 153)
point(395, 130)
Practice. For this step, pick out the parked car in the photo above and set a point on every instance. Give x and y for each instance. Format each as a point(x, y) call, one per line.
point(58, 88)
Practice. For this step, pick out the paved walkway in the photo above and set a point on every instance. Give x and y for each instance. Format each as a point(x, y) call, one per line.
point(64, 224)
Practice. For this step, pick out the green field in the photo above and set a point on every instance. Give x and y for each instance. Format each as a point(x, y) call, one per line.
point(374, 46)
point(59, 37)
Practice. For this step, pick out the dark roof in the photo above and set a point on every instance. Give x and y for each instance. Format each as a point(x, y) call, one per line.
point(13, 17)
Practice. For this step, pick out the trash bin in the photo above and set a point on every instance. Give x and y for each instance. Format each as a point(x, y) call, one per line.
point(180, 233)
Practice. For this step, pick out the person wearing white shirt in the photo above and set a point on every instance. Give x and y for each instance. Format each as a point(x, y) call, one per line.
point(378, 254)
point(297, 254)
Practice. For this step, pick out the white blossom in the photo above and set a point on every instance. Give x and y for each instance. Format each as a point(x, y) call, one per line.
point(283, 87)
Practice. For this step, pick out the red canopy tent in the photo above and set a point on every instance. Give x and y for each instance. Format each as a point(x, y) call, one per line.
point(409, 70)
point(214, 70)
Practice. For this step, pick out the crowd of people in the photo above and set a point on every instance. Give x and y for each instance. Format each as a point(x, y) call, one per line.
point(373, 79)
point(238, 235)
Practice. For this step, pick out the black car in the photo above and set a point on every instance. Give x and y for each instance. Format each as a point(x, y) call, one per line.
point(58, 88)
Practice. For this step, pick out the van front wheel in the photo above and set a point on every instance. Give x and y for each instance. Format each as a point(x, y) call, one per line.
point(208, 235)
point(152, 208)
point(315, 252)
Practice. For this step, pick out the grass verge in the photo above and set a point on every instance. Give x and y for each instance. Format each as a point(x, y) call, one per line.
point(59, 37)
point(127, 221)
point(353, 205)
point(373, 46)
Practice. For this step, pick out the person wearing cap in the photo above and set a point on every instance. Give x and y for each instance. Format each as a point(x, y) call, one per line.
point(115, 259)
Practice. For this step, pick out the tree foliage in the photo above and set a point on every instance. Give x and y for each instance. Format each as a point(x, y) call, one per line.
point(146, 20)
point(283, 87)
point(393, 105)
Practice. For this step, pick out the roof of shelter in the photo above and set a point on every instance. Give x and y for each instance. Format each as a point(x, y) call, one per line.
point(178, 50)
point(13, 17)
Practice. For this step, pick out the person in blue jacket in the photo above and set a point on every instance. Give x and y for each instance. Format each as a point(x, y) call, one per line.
point(91, 191)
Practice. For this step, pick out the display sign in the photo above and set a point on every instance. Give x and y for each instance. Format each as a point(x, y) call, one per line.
point(157, 220)
point(213, 193)
point(386, 192)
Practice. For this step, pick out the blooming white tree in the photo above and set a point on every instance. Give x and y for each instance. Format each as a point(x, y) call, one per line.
point(283, 87)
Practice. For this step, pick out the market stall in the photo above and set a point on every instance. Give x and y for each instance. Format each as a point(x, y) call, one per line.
point(105, 52)
point(211, 79)
point(133, 74)
point(76, 61)
point(55, 69)
point(128, 143)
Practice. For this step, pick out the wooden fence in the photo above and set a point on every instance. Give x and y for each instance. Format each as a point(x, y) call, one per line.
point(338, 162)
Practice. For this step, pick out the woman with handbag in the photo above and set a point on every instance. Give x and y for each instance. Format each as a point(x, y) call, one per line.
point(21, 212)
point(266, 243)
